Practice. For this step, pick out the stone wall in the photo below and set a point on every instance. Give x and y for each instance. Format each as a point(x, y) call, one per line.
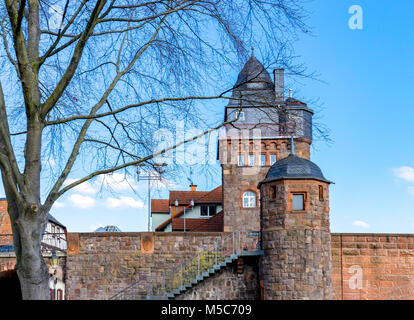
point(100, 265)
point(238, 281)
point(7, 262)
point(364, 266)
point(5, 225)
point(373, 266)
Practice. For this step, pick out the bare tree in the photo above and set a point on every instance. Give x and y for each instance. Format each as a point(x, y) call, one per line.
point(86, 83)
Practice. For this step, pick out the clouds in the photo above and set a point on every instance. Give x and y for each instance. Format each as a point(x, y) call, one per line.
point(82, 202)
point(124, 202)
point(361, 224)
point(86, 202)
point(58, 204)
point(85, 188)
point(84, 195)
point(116, 181)
point(404, 173)
point(407, 174)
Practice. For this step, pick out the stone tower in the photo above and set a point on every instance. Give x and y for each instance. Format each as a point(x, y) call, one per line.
point(295, 231)
point(260, 136)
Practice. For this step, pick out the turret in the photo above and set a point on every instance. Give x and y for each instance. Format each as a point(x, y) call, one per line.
point(295, 231)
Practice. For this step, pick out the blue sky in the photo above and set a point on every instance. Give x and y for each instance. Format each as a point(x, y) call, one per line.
point(366, 88)
point(368, 107)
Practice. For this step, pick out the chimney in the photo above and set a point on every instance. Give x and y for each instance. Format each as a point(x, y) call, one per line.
point(279, 84)
point(193, 187)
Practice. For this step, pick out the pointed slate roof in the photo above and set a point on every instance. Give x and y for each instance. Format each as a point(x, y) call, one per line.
point(253, 84)
point(253, 71)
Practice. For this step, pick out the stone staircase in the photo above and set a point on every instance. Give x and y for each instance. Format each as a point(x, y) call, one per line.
point(202, 276)
point(212, 260)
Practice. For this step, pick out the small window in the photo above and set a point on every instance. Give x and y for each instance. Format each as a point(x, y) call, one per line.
point(321, 193)
point(249, 199)
point(240, 115)
point(298, 202)
point(272, 192)
point(241, 160)
point(262, 159)
point(272, 159)
point(208, 211)
point(212, 210)
point(59, 294)
point(204, 211)
point(251, 160)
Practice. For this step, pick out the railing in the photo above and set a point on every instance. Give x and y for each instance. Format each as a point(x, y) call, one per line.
point(192, 269)
point(266, 129)
point(147, 287)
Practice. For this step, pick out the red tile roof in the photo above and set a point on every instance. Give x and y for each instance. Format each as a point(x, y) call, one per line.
point(160, 205)
point(184, 198)
point(213, 224)
point(215, 196)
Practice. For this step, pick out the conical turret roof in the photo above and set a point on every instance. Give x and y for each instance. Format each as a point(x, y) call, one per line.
point(294, 167)
point(253, 84)
point(253, 72)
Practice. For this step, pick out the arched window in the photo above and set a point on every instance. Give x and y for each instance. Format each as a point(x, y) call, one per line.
point(249, 199)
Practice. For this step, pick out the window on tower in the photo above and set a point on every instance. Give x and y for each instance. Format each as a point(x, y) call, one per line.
point(249, 199)
point(272, 159)
point(240, 115)
point(251, 160)
point(240, 161)
point(262, 159)
point(272, 192)
point(320, 193)
point(298, 202)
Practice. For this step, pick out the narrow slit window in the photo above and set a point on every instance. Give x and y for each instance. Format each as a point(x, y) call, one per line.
point(273, 192)
point(321, 193)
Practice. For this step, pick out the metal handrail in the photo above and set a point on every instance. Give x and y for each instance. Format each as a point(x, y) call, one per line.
point(193, 268)
point(205, 260)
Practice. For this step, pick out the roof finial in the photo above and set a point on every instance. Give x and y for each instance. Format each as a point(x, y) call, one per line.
point(292, 146)
point(252, 51)
point(290, 93)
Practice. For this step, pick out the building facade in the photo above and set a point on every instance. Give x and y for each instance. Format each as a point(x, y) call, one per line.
point(189, 211)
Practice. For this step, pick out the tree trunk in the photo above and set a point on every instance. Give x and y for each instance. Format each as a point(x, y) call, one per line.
point(30, 267)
